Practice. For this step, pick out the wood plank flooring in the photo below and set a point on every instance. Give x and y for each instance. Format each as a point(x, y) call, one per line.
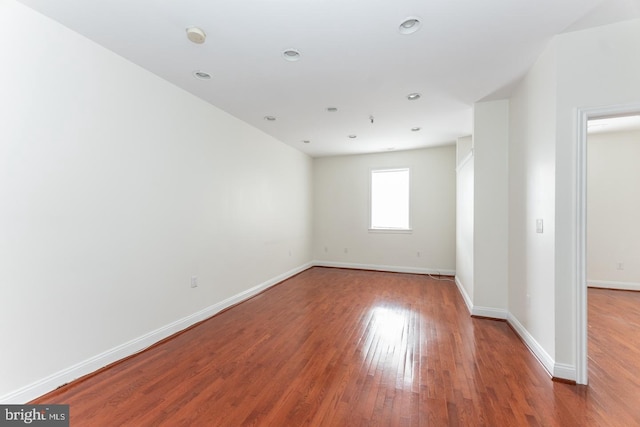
point(334, 347)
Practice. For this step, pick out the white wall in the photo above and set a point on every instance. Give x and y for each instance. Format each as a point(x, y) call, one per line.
point(613, 210)
point(116, 187)
point(532, 128)
point(490, 142)
point(596, 67)
point(464, 219)
point(591, 68)
point(341, 212)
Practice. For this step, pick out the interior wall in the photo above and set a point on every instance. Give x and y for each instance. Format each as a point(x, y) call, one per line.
point(584, 69)
point(596, 67)
point(613, 209)
point(532, 127)
point(464, 219)
point(341, 212)
point(491, 180)
point(116, 188)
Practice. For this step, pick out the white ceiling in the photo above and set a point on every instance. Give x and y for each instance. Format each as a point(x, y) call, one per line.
point(353, 58)
point(614, 124)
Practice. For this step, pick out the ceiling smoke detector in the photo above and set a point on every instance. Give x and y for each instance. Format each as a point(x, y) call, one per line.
point(196, 35)
point(413, 96)
point(410, 25)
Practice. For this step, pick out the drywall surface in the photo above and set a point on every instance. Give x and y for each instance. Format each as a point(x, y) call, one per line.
point(491, 178)
point(341, 211)
point(464, 218)
point(598, 67)
point(613, 210)
point(532, 119)
point(117, 188)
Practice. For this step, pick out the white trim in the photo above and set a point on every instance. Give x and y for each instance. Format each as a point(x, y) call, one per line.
point(371, 228)
point(465, 295)
point(564, 371)
point(556, 370)
point(53, 381)
point(624, 286)
point(391, 230)
point(583, 115)
point(389, 268)
point(545, 359)
point(494, 313)
point(464, 161)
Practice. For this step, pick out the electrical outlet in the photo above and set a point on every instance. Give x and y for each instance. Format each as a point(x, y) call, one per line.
point(194, 281)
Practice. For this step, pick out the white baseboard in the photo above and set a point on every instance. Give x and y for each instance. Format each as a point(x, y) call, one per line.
point(47, 384)
point(625, 286)
point(545, 359)
point(493, 313)
point(389, 268)
point(465, 295)
point(565, 372)
point(474, 310)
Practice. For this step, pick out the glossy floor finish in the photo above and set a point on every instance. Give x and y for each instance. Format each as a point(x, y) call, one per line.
point(333, 347)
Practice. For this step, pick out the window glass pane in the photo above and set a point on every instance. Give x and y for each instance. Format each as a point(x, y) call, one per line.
point(390, 198)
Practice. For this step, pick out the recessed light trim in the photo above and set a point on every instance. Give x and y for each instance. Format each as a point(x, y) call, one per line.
point(201, 75)
point(352, 136)
point(416, 129)
point(332, 109)
point(196, 35)
point(291, 55)
point(410, 25)
point(413, 96)
point(306, 141)
point(270, 118)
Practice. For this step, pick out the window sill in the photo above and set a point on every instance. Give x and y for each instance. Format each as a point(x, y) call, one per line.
point(391, 230)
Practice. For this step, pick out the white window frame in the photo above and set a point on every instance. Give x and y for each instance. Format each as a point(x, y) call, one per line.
point(381, 229)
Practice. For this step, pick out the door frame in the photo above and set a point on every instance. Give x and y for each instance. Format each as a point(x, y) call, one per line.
point(583, 117)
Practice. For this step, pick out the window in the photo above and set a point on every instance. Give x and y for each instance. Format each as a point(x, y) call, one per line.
point(390, 199)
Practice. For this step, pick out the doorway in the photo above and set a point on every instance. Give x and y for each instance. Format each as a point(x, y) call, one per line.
point(600, 117)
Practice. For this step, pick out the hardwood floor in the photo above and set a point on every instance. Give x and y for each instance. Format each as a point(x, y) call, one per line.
point(333, 347)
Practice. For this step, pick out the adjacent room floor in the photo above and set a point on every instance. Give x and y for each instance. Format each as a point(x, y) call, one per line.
point(335, 347)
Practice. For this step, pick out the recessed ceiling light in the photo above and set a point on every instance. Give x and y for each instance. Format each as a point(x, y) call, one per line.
point(196, 35)
point(291, 55)
point(270, 118)
point(416, 129)
point(413, 96)
point(332, 109)
point(202, 75)
point(352, 136)
point(306, 141)
point(409, 25)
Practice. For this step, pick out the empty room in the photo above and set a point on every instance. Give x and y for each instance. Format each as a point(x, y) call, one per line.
point(318, 213)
